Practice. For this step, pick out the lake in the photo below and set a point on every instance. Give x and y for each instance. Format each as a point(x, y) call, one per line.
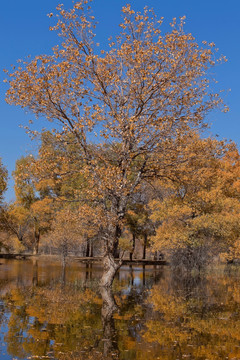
point(151, 313)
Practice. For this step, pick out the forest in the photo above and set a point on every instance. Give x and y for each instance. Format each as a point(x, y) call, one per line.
point(126, 169)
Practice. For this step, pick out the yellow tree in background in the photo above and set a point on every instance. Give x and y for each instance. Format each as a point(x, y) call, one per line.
point(36, 202)
point(201, 210)
point(15, 221)
point(3, 180)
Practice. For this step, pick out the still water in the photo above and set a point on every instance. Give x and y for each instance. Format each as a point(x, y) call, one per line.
point(152, 313)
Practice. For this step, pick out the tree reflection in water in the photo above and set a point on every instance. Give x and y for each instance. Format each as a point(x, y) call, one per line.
point(61, 312)
point(110, 341)
point(149, 314)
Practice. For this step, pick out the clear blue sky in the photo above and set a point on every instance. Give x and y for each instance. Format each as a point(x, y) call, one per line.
point(24, 31)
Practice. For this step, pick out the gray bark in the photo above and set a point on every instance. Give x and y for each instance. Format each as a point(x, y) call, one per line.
point(110, 268)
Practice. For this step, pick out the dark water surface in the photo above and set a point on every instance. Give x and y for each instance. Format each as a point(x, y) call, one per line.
point(151, 313)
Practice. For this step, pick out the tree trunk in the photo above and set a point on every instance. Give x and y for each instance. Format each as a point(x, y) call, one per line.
point(110, 265)
point(130, 256)
point(88, 248)
point(36, 243)
point(110, 268)
point(64, 250)
point(91, 248)
point(144, 247)
point(116, 242)
point(133, 247)
point(63, 275)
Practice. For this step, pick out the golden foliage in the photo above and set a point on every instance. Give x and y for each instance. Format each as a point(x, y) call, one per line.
point(3, 180)
point(203, 204)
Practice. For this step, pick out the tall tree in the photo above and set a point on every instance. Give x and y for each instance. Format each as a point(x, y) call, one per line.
point(138, 98)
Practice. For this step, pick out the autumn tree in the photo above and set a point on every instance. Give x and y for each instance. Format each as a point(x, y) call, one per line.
point(36, 201)
point(15, 221)
point(138, 97)
point(24, 187)
point(138, 220)
point(3, 188)
point(42, 213)
point(198, 214)
point(3, 180)
point(65, 232)
point(53, 177)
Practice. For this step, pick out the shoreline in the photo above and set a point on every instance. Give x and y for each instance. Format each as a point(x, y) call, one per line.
point(82, 259)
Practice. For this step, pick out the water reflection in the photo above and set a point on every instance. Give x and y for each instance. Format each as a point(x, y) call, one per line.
point(110, 339)
point(47, 312)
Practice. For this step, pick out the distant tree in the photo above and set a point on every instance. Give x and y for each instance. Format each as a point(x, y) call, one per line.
point(15, 219)
point(24, 186)
point(200, 212)
point(37, 204)
point(3, 180)
point(140, 225)
point(66, 234)
point(138, 97)
point(42, 213)
point(3, 187)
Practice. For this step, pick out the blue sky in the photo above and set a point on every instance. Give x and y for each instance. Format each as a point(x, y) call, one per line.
point(24, 31)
